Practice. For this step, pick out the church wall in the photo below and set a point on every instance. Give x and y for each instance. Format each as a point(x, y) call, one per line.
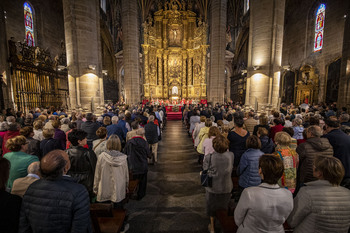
point(48, 23)
point(48, 32)
point(299, 37)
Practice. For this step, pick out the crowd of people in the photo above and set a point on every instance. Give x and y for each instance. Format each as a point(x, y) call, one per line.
point(53, 166)
point(296, 152)
point(291, 165)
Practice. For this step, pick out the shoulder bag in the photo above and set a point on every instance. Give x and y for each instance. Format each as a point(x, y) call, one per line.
point(206, 180)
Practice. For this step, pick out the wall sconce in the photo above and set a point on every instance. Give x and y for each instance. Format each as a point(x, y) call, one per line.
point(256, 67)
point(92, 67)
point(60, 67)
point(104, 72)
point(244, 72)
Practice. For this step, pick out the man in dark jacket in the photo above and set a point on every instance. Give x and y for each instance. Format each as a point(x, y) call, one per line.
point(55, 203)
point(151, 133)
point(308, 151)
point(90, 128)
point(341, 146)
point(138, 151)
point(116, 129)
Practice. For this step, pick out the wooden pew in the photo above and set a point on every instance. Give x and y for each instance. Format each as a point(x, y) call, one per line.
point(105, 219)
point(227, 223)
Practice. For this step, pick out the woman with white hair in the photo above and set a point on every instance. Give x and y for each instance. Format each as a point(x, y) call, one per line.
point(65, 124)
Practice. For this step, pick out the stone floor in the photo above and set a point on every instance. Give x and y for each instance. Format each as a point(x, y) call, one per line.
point(175, 201)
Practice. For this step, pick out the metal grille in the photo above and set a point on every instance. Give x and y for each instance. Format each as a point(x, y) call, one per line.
point(33, 87)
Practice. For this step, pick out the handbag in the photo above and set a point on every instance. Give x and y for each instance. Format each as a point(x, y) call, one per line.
point(206, 180)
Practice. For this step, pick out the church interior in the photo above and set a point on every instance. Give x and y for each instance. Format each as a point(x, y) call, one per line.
point(166, 87)
point(80, 55)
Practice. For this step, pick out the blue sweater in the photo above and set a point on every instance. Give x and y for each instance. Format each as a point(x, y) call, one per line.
point(248, 169)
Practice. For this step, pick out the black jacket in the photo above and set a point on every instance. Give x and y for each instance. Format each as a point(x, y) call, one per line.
point(267, 145)
point(137, 150)
point(151, 133)
point(51, 206)
point(10, 206)
point(341, 146)
point(90, 128)
point(83, 163)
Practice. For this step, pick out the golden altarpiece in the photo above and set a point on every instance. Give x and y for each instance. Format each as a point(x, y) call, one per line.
point(175, 52)
point(307, 86)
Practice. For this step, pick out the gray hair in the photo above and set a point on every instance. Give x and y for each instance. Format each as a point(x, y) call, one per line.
point(34, 168)
point(10, 119)
point(4, 126)
point(298, 121)
point(151, 118)
point(65, 121)
point(344, 117)
point(115, 120)
point(121, 116)
point(212, 118)
point(315, 131)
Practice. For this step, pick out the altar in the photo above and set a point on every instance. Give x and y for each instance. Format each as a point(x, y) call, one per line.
point(173, 108)
point(175, 52)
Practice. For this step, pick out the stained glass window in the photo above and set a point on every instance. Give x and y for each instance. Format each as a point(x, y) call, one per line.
point(319, 27)
point(29, 24)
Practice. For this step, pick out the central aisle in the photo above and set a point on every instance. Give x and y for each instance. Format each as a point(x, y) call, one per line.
point(175, 201)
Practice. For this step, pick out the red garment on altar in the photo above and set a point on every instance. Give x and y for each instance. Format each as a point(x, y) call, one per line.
point(204, 101)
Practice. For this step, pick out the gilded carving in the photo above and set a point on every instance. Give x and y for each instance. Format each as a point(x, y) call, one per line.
point(175, 46)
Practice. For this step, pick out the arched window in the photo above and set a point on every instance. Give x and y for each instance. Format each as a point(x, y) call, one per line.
point(29, 24)
point(319, 27)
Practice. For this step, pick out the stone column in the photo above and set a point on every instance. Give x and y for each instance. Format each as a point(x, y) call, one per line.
point(218, 11)
point(265, 52)
point(82, 35)
point(131, 51)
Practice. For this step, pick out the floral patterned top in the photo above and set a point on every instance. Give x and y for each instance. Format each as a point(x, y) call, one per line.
point(290, 160)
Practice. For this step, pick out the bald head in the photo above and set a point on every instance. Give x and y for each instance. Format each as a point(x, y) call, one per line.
point(34, 168)
point(140, 131)
point(54, 164)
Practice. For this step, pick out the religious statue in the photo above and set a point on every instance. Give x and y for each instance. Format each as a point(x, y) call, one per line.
point(175, 90)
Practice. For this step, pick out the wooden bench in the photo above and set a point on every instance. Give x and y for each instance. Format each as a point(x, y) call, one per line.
point(228, 224)
point(106, 219)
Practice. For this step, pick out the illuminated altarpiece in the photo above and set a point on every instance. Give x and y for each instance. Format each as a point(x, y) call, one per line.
point(175, 51)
